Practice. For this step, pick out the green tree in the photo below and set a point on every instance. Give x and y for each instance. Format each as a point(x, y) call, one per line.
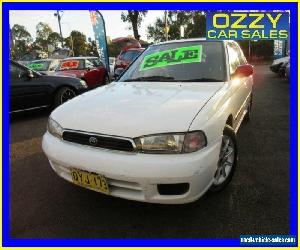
point(92, 49)
point(43, 31)
point(134, 17)
point(113, 50)
point(54, 39)
point(21, 40)
point(192, 21)
point(260, 50)
point(77, 40)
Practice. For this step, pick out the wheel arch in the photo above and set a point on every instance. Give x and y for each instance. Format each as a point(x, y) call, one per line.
point(59, 88)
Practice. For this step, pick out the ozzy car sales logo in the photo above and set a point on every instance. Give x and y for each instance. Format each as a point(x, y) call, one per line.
point(247, 26)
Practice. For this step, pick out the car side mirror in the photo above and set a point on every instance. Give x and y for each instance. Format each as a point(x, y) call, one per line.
point(89, 68)
point(27, 75)
point(118, 72)
point(243, 71)
point(30, 74)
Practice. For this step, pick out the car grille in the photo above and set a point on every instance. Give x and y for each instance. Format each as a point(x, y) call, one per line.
point(100, 141)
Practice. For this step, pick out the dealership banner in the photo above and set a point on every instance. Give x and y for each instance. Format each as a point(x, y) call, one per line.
point(100, 36)
point(247, 26)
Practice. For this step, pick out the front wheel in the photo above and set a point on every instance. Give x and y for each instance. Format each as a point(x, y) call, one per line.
point(227, 160)
point(62, 95)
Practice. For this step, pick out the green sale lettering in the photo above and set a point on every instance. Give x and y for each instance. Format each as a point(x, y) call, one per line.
point(182, 55)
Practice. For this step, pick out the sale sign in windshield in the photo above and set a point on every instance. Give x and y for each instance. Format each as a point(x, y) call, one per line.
point(247, 26)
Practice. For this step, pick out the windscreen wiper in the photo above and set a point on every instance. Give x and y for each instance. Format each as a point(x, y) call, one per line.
point(202, 80)
point(151, 79)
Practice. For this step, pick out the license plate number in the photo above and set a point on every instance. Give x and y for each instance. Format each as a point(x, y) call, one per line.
point(90, 180)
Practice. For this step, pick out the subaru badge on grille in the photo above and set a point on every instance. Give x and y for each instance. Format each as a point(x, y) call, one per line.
point(93, 141)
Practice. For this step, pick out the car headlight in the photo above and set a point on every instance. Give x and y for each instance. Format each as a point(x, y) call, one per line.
point(54, 128)
point(83, 83)
point(171, 143)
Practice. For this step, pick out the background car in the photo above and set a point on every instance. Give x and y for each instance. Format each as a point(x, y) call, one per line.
point(89, 69)
point(44, 66)
point(276, 65)
point(282, 68)
point(32, 90)
point(287, 70)
point(126, 57)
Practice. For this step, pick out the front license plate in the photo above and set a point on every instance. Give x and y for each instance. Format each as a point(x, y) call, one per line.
point(90, 180)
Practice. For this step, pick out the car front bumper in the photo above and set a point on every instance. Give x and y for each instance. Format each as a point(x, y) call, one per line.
point(136, 176)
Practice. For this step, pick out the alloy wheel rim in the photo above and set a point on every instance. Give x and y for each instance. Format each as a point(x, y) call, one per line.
point(226, 160)
point(67, 95)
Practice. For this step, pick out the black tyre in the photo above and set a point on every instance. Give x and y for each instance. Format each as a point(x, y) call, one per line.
point(227, 160)
point(63, 94)
point(249, 110)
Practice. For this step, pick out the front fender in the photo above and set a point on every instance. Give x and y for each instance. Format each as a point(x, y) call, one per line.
point(213, 116)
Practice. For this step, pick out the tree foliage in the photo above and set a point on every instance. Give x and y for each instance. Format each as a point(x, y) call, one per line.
point(92, 49)
point(113, 50)
point(21, 40)
point(78, 39)
point(43, 30)
point(54, 39)
point(192, 21)
point(259, 50)
point(134, 17)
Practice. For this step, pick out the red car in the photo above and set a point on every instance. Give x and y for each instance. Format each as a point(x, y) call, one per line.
point(90, 69)
point(126, 57)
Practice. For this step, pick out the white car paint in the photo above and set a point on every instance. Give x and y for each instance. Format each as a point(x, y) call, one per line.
point(281, 60)
point(137, 104)
point(135, 109)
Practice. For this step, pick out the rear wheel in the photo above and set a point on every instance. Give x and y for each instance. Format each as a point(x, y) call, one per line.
point(227, 160)
point(63, 95)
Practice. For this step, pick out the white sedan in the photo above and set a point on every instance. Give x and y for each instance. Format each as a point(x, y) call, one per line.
point(165, 132)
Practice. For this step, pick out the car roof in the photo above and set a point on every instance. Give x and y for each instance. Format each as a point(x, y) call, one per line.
point(134, 49)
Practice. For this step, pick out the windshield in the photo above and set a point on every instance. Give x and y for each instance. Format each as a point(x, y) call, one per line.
point(72, 64)
point(195, 61)
point(130, 55)
point(39, 65)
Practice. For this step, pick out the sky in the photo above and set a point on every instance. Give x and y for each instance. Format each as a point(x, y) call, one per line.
point(80, 20)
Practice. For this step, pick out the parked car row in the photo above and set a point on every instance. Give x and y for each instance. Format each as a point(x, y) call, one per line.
point(51, 82)
point(30, 89)
point(281, 66)
point(89, 69)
